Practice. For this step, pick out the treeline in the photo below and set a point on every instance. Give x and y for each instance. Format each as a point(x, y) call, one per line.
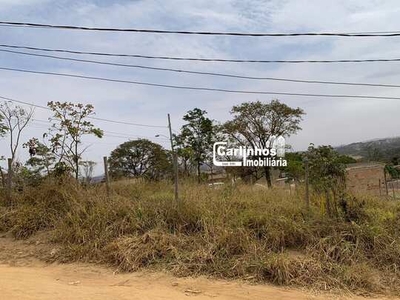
point(60, 149)
point(252, 124)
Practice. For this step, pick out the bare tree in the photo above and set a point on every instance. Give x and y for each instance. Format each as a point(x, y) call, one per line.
point(87, 168)
point(15, 119)
point(3, 132)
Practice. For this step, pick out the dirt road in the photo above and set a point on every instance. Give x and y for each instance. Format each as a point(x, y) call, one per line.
point(22, 277)
point(89, 282)
point(85, 282)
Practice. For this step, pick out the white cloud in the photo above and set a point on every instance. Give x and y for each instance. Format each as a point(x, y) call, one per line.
point(334, 121)
point(21, 2)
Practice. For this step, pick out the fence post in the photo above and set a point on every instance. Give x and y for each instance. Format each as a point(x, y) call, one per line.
point(386, 183)
point(9, 182)
point(105, 160)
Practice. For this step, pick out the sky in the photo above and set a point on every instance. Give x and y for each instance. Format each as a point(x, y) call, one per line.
point(328, 121)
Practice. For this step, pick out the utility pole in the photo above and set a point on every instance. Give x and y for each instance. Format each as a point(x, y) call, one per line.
point(175, 160)
point(307, 183)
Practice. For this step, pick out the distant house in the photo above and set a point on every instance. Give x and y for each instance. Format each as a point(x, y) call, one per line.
point(366, 178)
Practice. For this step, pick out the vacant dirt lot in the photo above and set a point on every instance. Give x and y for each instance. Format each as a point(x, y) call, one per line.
point(22, 277)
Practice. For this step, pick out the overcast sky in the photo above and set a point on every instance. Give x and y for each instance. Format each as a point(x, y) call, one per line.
point(328, 120)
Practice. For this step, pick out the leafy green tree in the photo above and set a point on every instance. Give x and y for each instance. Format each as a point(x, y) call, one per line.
point(70, 125)
point(185, 155)
point(254, 123)
point(345, 159)
point(196, 138)
point(393, 172)
point(140, 158)
point(42, 159)
point(295, 166)
point(25, 176)
point(327, 174)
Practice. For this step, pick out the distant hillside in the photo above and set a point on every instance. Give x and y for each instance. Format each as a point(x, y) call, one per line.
point(375, 150)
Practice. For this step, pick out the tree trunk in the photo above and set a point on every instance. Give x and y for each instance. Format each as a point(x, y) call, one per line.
point(198, 172)
point(76, 162)
point(76, 172)
point(268, 176)
point(185, 171)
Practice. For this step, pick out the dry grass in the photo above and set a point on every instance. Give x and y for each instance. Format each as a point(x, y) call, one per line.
point(230, 232)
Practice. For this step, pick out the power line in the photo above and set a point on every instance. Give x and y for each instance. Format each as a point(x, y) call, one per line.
point(127, 123)
point(24, 102)
point(108, 133)
point(118, 134)
point(196, 88)
point(158, 31)
point(90, 117)
point(202, 59)
point(132, 136)
point(205, 73)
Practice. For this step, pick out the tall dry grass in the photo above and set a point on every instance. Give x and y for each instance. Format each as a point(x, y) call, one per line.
point(231, 232)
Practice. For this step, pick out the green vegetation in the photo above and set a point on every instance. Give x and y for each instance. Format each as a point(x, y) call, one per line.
point(196, 139)
point(65, 135)
point(327, 175)
point(393, 172)
point(60, 149)
point(232, 232)
point(255, 123)
point(140, 158)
